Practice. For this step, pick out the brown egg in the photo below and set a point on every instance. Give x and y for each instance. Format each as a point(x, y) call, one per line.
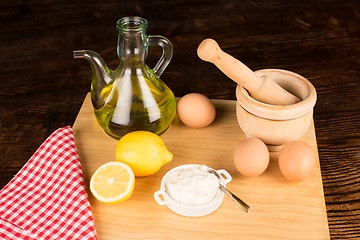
point(251, 157)
point(297, 160)
point(196, 110)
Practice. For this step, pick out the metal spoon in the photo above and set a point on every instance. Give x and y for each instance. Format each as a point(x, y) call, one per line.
point(232, 196)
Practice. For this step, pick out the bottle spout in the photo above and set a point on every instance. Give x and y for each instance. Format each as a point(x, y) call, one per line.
point(94, 58)
point(102, 75)
point(79, 53)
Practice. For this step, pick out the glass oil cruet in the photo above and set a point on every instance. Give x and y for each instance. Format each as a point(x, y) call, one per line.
point(132, 97)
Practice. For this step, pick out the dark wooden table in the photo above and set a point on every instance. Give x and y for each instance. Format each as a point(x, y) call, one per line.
point(42, 87)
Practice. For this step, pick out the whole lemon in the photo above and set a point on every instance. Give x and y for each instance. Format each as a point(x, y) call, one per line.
point(143, 151)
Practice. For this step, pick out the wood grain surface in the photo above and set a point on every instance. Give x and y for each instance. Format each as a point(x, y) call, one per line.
point(42, 87)
point(279, 209)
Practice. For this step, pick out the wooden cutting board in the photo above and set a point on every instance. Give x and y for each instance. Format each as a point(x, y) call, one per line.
point(279, 209)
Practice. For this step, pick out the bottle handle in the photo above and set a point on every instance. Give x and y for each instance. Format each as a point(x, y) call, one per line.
point(166, 54)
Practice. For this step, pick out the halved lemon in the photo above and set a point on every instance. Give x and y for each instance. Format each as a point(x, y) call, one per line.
point(112, 182)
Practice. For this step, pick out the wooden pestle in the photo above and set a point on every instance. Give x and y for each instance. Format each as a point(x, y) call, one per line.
point(262, 89)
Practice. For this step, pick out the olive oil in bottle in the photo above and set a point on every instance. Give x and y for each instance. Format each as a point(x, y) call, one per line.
point(153, 111)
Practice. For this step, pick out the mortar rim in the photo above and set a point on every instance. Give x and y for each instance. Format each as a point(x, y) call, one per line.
point(278, 112)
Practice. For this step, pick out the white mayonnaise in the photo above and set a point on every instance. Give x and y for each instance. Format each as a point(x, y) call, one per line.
point(192, 186)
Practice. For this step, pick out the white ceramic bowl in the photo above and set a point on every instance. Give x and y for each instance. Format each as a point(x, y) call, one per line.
point(163, 198)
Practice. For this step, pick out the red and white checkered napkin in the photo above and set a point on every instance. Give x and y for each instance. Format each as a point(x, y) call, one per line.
point(47, 197)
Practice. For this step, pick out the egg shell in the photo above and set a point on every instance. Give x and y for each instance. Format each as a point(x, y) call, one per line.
point(296, 160)
point(196, 110)
point(251, 157)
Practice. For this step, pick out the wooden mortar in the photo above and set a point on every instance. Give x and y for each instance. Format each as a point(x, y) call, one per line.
point(276, 125)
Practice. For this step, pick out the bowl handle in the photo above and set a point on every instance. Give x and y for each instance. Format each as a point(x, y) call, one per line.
point(164, 199)
point(223, 173)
